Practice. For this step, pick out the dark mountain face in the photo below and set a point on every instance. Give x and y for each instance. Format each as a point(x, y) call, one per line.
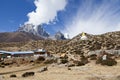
point(36, 30)
point(59, 36)
point(18, 37)
point(41, 32)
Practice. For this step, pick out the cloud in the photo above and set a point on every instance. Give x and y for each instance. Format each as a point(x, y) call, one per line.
point(46, 11)
point(118, 27)
point(95, 18)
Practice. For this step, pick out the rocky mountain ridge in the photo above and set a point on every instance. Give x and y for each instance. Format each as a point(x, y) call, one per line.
point(40, 32)
point(36, 30)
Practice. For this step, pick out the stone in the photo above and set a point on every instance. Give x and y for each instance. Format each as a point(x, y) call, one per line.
point(13, 75)
point(27, 74)
point(43, 69)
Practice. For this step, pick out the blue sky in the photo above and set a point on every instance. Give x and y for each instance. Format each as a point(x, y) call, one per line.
point(13, 13)
point(68, 16)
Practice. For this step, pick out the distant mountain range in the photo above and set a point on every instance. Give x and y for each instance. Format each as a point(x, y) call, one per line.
point(36, 30)
point(40, 32)
point(29, 32)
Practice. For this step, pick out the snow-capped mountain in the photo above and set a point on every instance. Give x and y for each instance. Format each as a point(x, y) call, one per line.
point(36, 30)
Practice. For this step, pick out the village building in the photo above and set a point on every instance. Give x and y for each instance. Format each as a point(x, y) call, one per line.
point(41, 52)
point(23, 54)
point(35, 54)
point(4, 54)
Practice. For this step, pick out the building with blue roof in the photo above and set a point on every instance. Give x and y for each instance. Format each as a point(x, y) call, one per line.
point(5, 54)
point(22, 54)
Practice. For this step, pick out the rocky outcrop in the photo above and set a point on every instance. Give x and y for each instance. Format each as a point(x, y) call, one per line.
point(36, 30)
point(59, 36)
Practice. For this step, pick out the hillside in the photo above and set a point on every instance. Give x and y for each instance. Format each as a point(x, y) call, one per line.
point(106, 41)
point(17, 37)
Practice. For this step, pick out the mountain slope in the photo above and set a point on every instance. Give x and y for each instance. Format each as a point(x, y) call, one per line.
point(105, 41)
point(17, 37)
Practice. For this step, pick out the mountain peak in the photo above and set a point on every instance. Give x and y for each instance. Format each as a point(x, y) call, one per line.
point(59, 36)
point(36, 30)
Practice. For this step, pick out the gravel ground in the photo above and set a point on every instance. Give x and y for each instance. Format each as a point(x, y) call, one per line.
point(90, 71)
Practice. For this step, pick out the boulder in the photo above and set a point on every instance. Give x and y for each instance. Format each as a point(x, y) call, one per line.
point(78, 63)
point(106, 59)
point(63, 61)
point(43, 69)
point(69, 68)
point(13, 75)
point(93, 57)
point(70, 64)
point(27, 74)
point(40, 58)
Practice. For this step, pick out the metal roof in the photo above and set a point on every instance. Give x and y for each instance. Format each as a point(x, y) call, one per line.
point(5, 52)
point(17, 52)
point(23, 52)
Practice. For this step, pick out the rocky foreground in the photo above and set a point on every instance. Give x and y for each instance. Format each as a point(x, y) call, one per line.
point(90, 71)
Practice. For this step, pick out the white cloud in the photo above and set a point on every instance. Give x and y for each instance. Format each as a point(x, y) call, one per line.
point(95, 19)
point(46, 11)
point(118, 27)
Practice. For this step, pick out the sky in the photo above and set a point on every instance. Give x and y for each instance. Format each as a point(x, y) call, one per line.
point(68, 16)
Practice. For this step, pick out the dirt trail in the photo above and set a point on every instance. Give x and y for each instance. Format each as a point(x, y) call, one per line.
point(26, 69)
